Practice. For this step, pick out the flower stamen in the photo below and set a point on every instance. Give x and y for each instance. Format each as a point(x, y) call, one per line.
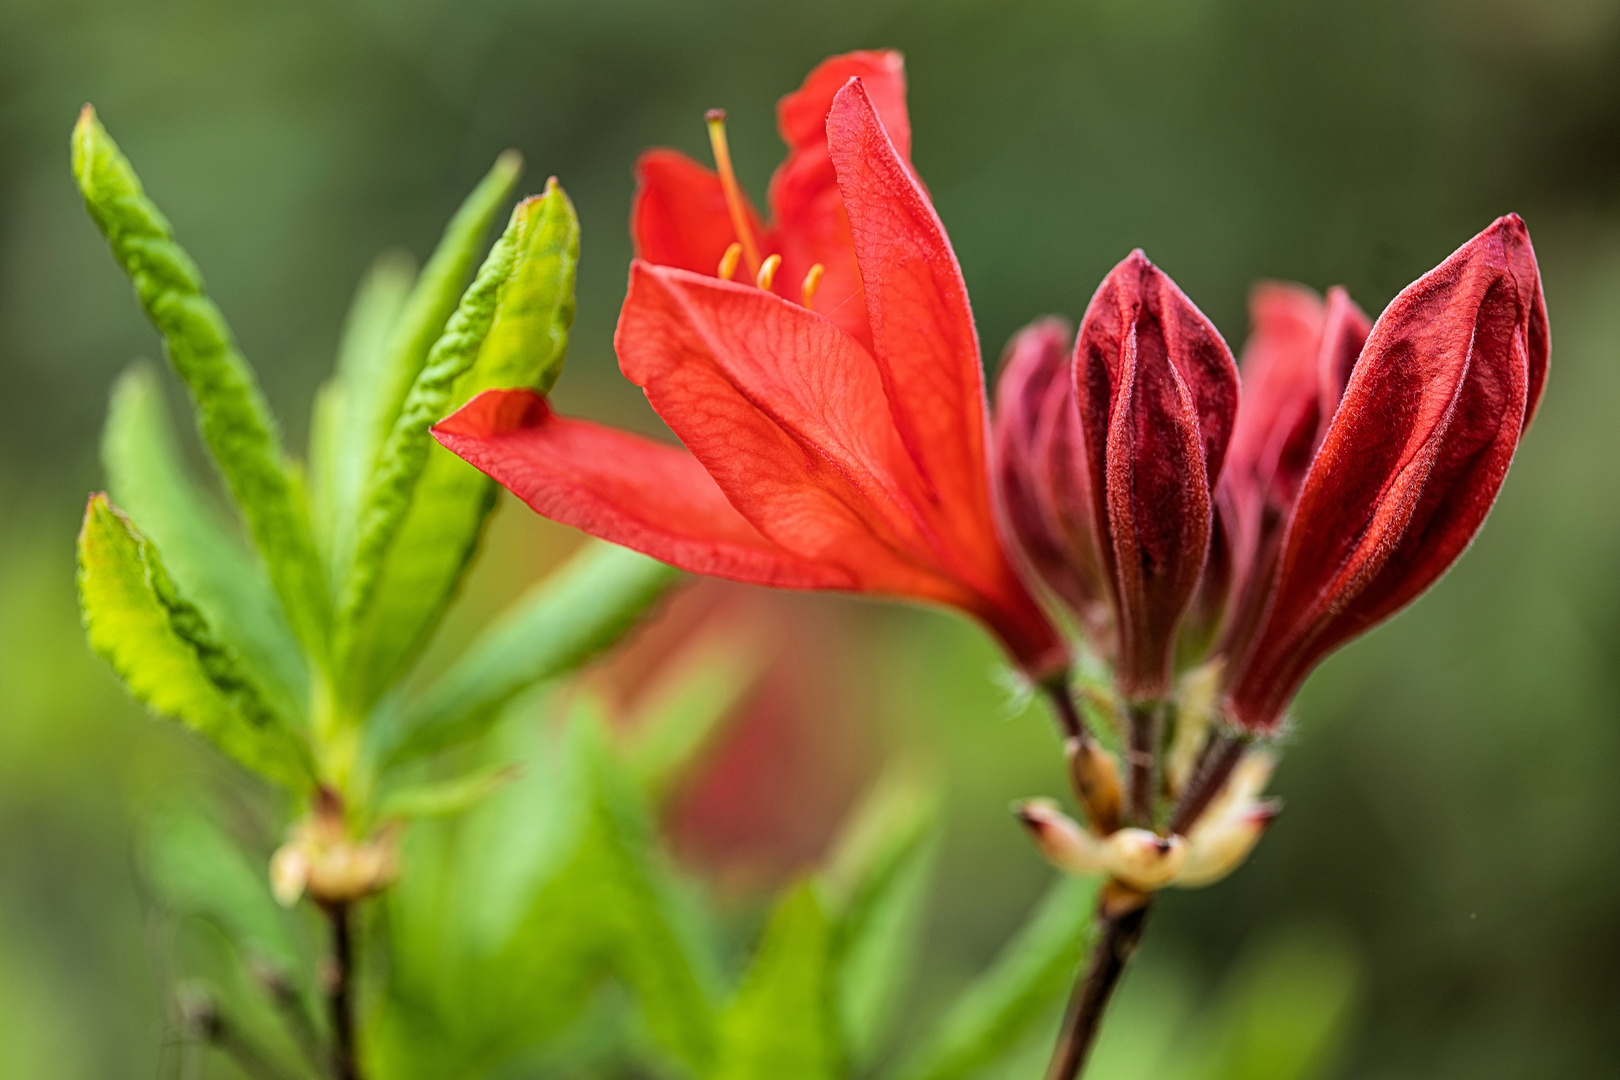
point(728, 262)
point(767, 273)
point(812, 282)
point(716, 119)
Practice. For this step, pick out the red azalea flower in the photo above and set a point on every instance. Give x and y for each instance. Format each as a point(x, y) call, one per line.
point(1408, 467)
point(1122, 447)
point(843, 450)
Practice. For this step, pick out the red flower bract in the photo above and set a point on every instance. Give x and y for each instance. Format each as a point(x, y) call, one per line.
point(820, 453)
point(1409, 465)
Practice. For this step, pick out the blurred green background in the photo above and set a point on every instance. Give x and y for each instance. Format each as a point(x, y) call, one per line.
point(1453, 813)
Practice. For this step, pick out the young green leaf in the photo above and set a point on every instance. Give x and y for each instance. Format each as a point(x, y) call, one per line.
point(342, 445)
point(1032, 972)
point(148, 480)
point(446, 511)
point(563, 622)
point(231, 413)
point(686, 707)
point(783, 1022)
point(421, 320)
point(880, 871)
point(446, 798)
point(167, 655)
point(196, 869)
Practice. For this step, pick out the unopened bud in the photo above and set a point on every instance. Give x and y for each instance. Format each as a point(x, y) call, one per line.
point(1219, 845)
point(324, 862)
point(1095, 777)
point(1144, 860)
point(1060, 838)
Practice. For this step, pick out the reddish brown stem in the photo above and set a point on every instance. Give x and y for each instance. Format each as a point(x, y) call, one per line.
point(340, 993)
point(1219, 757)
point(1146, 725)
point(1092, 991)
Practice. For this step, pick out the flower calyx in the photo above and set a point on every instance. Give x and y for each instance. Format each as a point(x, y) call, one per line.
point(324, 861)
point(1139, 861)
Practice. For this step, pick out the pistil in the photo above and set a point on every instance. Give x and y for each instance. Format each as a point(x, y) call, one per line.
point(716, 119)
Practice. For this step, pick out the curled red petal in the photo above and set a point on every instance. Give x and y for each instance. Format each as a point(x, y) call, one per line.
point(646, 495)
point(1411, 463)
point(679, 216)
point(1156, 390)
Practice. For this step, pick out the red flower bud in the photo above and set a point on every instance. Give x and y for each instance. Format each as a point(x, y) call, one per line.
point(1042, 488)
point(1295, 366)
point(1409, 465)
point(1156, 393)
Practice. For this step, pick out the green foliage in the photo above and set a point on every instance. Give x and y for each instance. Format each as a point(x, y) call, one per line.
point(197, 869)
point(559, 625)
point(231, 413)
point(783, 1021)
point(999, 1007)
point(684, 710)
point(148, 480)
point(168, 655)
point(422, 565)
point(880, 872)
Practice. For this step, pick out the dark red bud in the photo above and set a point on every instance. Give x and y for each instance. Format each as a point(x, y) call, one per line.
point(1042, 486)
point(1157, 391)
point(1410, 464)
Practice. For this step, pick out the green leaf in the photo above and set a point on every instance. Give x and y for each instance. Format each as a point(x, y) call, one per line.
point(232, 416)
point(446, 509)
point(783, 1023)
point(432, 301)
point(208, 564)
point(343, 435)
point(196, 869)
point(446, 798)
point(166, 653)
point(686, 707)
point(562, 623)
point(1032, 971)
point(880, 870)
point(514, 914)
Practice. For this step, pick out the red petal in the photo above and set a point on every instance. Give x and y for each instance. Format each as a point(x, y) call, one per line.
point(679, 216)
point(926, 348)
point(1157, 390)
point(646, 495)
point(804, 195)
point(790, 418)
point(1411, 463)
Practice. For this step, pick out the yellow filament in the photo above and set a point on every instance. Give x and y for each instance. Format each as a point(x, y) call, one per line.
point(728, 262)
point(716, 119)
point(767, 273)
point(812, 282)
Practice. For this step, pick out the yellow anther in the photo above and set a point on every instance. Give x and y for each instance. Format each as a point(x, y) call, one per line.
point(767, 273)
point(716, 119)
point(812, 282)
point(728, 262)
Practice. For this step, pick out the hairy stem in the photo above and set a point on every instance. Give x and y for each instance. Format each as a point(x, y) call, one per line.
point(1092, 991)
point(1145, 729)
point(1068, 717)
point(339, 986)
point(1219, 757)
